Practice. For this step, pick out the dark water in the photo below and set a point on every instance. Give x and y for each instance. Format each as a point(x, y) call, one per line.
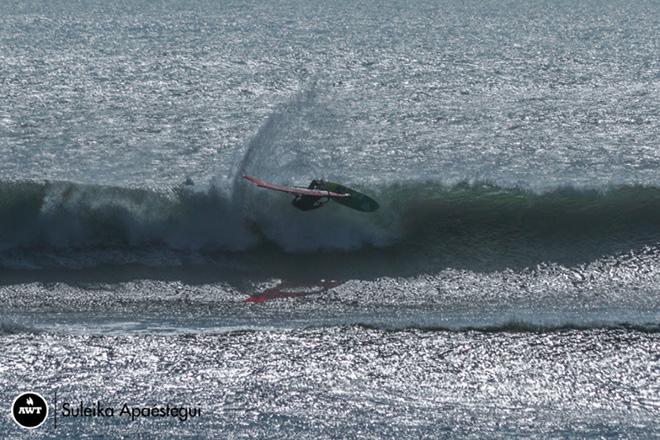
point(507, 286)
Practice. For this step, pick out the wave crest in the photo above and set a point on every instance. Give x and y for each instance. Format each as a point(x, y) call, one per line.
point(414, 216)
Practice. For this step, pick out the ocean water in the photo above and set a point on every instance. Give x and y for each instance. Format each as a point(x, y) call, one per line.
point(507, 287)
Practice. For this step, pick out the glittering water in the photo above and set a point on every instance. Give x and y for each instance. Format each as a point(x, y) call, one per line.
point(507, 287)
point(356, 382)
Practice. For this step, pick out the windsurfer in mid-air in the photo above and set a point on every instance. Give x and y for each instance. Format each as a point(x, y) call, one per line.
point(319, 193)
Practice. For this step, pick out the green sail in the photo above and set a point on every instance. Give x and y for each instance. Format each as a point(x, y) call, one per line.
point(357, 200)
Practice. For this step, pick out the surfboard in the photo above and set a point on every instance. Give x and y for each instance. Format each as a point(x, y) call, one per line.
point(299, 191)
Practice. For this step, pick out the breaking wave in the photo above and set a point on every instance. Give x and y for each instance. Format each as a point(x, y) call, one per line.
point(427, 217)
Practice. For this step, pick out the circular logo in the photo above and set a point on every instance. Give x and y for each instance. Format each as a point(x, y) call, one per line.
point(29, 410)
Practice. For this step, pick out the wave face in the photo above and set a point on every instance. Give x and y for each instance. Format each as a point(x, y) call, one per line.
point(473, 221)
point(65, 215)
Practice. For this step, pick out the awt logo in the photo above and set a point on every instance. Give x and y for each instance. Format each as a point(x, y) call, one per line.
point(29, 410)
